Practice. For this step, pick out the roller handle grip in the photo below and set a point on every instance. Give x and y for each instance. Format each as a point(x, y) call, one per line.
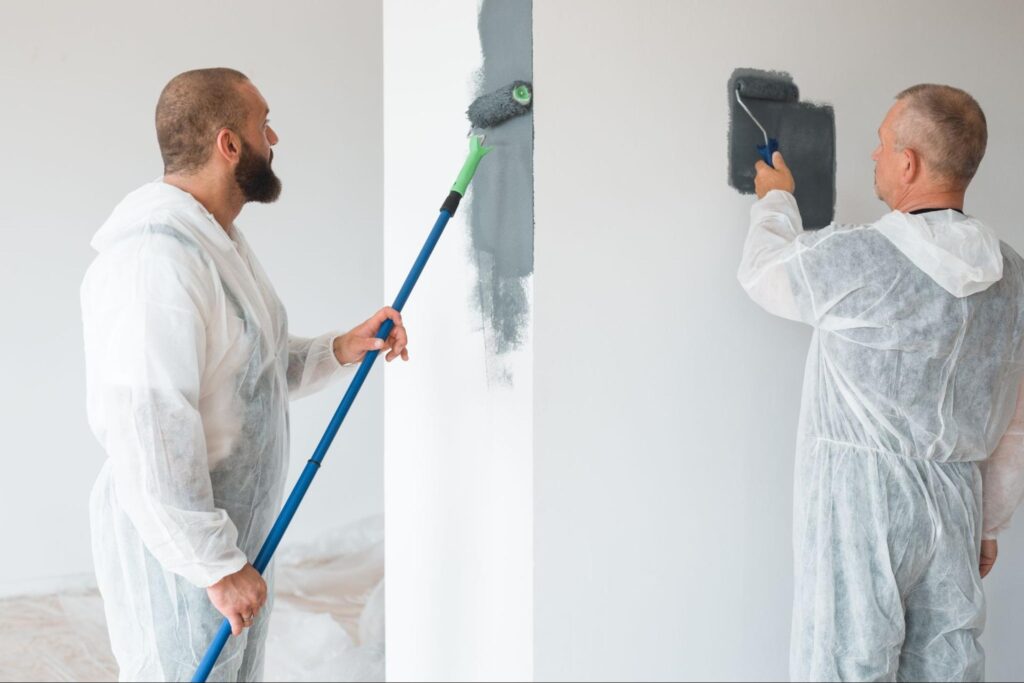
point(766, 151)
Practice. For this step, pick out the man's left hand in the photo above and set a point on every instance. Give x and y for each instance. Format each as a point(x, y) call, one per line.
point(768, 178)
point(989, 553)
point(353, 345)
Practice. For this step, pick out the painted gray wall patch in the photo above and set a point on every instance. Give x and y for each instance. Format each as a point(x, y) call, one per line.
point(501, 203)
point(807, 139)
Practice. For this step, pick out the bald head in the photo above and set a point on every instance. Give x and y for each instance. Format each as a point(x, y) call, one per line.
point(192, 108)
point(946, 127)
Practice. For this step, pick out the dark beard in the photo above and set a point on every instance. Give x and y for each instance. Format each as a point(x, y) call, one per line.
point(255, 178)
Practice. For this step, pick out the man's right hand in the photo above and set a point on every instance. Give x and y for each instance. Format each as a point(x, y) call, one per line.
point(767, 178)
point(239, 597)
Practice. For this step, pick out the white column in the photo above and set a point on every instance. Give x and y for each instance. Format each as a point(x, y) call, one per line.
point(458, 451)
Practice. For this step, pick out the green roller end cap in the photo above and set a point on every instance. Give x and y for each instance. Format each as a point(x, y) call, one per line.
point(477, 151)
point(522, 94)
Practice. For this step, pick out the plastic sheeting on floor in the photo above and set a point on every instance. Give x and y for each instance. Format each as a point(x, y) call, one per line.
point(328, 621)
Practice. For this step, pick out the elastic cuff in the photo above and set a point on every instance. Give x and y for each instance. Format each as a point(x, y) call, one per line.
point(226, 570)
point(775, 198)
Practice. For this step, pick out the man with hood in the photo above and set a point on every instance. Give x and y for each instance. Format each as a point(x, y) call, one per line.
point(911, 439)
point(190, 366)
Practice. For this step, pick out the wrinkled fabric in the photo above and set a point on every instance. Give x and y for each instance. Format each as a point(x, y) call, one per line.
point(958, 252)
point(1001, 473)
point(328, 622)
point(911, 383)
point(189, 369)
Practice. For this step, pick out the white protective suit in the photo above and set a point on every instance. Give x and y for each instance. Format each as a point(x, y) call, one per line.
point(189, 369)
point(911, 384)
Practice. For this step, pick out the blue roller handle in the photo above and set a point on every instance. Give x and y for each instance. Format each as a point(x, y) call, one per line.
point(302, 485)
point(766, 151)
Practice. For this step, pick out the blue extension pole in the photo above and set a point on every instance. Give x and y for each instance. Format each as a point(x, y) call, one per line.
point(477, 151)
point(306, 478)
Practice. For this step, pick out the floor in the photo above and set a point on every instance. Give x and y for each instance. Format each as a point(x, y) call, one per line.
point(328, 621)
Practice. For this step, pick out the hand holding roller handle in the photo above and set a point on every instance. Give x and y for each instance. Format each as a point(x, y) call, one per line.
point(773, 177)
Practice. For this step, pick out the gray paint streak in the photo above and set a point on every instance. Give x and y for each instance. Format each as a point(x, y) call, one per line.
point(501, 208)
point(807, 138)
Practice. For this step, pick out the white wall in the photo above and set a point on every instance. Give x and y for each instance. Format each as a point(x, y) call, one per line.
point(666, 402)
point(458, 463)
point(655, 497)
point(79, 83)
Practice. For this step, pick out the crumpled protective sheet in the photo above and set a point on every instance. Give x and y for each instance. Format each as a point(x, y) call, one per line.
point(60, 637)
point(328, 622)
point(327, 625)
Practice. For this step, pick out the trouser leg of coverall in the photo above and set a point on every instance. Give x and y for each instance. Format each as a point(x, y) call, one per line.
point(945, 609)
point(847, 617)
point(867, 530)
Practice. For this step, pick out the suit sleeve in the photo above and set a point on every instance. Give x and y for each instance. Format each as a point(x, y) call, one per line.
point(1003, 476)
point(806, 276)
point(312, 364)
point(146, 379)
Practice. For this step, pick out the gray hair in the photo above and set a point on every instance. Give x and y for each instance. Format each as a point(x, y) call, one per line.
point(192, 108)
point(947, 127)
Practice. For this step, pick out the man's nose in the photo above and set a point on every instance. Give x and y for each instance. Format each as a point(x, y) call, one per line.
point(272, 136)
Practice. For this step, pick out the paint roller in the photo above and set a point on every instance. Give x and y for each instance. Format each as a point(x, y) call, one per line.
point(494, 108)
point(486, 111)
point(769, 89)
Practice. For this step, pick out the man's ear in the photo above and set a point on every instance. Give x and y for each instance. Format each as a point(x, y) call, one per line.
point(911, 161)
point(229, 145)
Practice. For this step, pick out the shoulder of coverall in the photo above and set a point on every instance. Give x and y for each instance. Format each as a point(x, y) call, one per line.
point(159, 260)
point(1013, 275)
point(1012, 258)
point(836, 236)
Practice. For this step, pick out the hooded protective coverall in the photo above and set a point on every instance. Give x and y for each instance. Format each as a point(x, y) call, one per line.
point(909, 451)
point(189, 370)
